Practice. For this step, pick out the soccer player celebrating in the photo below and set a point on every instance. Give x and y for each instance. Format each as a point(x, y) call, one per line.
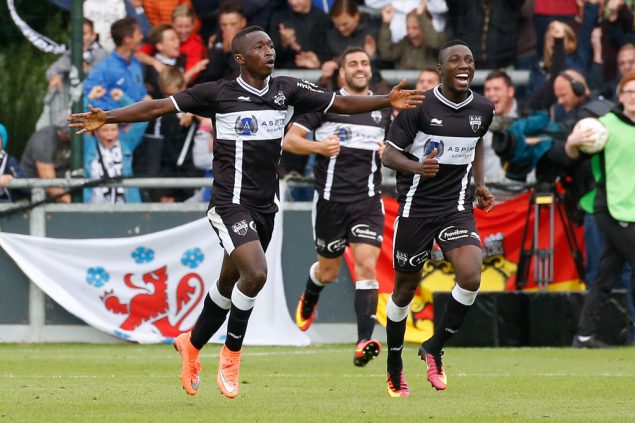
point(348, 208)
point(435, 150)
point(250, 114)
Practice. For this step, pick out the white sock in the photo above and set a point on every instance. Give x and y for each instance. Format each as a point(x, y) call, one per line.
point(241, 301)
point(218, 298)
point(394, 312)
point(463, 296)
point(313, 276)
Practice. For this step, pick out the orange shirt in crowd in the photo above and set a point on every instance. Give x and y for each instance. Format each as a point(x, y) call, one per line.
point(160, 11)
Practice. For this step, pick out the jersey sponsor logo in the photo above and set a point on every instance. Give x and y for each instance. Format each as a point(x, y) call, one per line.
point(363, 231)
point(402, 258)
point(252, 225)
point(431, 144)
point(246, 125)
point(121, 81)
point(436, 122)
point(475, 235)
point(336, 246)
point(418, 259)
point(243, 98)
point(461, 153)
point(272, 126)
point(343, 133)
point(309, 86)
point(475, 123)
point(452, 233)
point(280, 99)
point(376, 115)
point(240, 228)
point(320, 243)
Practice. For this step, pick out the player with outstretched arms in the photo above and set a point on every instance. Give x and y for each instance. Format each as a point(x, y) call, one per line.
point(250, 114)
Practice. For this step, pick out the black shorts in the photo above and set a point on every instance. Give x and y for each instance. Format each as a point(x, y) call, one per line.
point(414, 237)
point(236, 225)
point(337, 224)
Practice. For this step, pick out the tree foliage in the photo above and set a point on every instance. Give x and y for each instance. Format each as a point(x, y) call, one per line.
point(23, 83)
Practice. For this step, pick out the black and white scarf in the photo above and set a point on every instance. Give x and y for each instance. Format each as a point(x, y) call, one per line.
point(109, 164)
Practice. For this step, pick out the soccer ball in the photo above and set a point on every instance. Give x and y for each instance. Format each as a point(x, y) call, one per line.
point(600, 135)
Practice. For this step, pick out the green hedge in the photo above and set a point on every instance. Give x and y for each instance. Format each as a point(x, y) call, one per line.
point(23, 83)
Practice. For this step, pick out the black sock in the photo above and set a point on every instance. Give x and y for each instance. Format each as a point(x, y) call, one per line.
point(365, 309)
point(395, 332)
point(311, 297)
point(210, 320)
point(236, 328)
point(451, 321)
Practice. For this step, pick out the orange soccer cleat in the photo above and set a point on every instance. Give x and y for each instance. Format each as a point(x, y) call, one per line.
point(191, 365)
point(228, 372)
point(303, 324)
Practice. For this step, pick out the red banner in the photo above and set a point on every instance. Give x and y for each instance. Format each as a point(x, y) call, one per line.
point(501, 232)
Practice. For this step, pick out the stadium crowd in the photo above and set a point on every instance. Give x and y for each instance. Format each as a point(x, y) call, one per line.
point(575, 51)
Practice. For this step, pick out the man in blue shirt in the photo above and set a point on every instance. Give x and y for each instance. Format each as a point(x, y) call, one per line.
point(120, 70)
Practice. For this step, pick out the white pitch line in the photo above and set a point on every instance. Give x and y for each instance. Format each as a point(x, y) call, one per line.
point(342, 375)
point(170, 356)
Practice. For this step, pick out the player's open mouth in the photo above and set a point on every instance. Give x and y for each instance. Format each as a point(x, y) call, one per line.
point(462, 78)
point(270, 63)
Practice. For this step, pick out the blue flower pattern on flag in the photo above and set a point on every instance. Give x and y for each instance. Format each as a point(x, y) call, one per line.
point(97, 276)
point(192, 258)
point(143, 255)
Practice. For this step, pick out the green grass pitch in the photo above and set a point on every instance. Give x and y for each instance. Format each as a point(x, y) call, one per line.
point(135, 383)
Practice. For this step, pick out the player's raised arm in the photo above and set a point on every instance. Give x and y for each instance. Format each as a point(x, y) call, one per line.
point(398, 98)
point(137, 112)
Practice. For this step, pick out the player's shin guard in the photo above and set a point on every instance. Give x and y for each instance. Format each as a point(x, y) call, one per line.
point(395, 331)
point(215, 310)
point(312, 292)
point(241, 308)
point(365, 307)
point(453, 317)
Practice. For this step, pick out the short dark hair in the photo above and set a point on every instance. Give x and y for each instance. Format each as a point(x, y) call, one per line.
point(344, 6)
point(350, 50)
point(242, 34)
point(500, 74)
point(156, 33)
point(231, 6)
point(451, 43)
point(122, 28)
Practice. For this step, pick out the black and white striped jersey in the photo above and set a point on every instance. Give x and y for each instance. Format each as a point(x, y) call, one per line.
point(355, 173)
point(454, 128)
point(249, 125)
